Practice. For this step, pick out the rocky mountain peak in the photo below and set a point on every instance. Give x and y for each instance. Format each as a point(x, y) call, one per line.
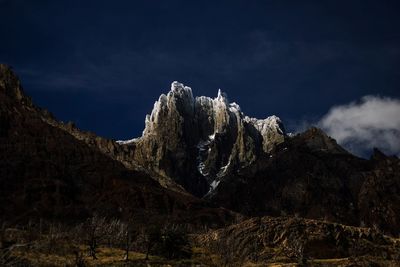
point(316, 139)
point(221, 96)
point(197, 141)
point(183, 94)
point(11, 86)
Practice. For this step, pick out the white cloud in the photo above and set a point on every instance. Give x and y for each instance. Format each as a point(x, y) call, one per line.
point(359, 126)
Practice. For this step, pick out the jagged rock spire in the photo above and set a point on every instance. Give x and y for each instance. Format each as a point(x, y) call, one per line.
point(199, 140)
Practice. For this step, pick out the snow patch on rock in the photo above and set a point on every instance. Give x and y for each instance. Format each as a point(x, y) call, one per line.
point(127, 142)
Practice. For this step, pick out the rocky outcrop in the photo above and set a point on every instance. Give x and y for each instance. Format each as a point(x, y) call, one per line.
point(198, 141)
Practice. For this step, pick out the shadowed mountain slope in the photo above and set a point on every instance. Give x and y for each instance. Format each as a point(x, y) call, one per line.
point(47, 172)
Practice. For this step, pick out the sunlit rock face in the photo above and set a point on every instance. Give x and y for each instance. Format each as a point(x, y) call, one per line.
point(196, 141)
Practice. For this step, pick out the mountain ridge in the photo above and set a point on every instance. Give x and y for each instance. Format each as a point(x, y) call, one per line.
point(307, 174)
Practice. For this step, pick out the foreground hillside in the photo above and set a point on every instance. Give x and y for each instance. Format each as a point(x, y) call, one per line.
point(263, 240)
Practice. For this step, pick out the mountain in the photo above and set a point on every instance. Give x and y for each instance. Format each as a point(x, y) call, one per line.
point(203, 164)
point(51, 170)
point(198, 141)
point(210, 148)
point(193, 145)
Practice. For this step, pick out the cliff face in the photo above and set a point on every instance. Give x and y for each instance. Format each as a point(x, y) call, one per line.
point(198, 141)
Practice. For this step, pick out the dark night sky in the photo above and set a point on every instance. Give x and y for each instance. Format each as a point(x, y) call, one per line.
point(103, 64)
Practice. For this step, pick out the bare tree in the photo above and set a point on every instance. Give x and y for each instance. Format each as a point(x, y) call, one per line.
point(52, 237)
point(148, 237)
point(119, 233)
point(127, 234)
point(94, 229)
point(79, 260)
